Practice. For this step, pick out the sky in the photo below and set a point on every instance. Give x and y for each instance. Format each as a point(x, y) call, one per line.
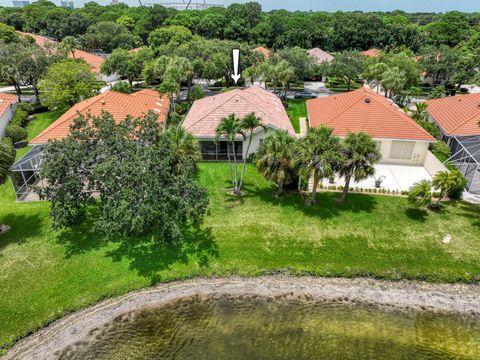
point(334, 5)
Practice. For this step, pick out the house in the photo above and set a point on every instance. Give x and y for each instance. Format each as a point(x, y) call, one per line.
point(403, 143)
point(26, 170)
point(372, 53)
point(320, 56)
point(264, 51)
point(42, 41)
point(95, 61)
point(205, 115)
point(458, 119)
point(7, 110)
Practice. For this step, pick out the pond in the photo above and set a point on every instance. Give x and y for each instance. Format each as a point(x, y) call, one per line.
point(256, 327)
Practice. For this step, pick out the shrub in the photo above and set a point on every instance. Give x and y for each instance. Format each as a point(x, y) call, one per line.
point(440, 150)
point(7, 157)
point(20, 118)
point(430, 127)
point(16, 133)
point(122, 87)
point(196, 93)
point(27, 107)
point(457, 190)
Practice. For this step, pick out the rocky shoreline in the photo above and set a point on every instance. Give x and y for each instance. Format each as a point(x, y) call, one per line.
point(408, 296)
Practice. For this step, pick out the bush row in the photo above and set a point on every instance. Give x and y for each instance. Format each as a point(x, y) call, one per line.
point(16, 128)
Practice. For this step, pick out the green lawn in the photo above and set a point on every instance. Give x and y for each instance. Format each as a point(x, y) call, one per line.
point(39, 122)
point(296, 109)
point(45, 274)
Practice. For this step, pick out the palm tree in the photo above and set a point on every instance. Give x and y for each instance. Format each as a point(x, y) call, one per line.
point(360, 154)
point(185, 150)
point(420, 113)
point(421, 194)
point(11, 74)
point(228, 129)
point(446, 182)
point(274, 159)
point(69, 44)
point(249, 124)
point(317, 156)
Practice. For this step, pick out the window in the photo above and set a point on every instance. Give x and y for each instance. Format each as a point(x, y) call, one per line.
point(378, 145)
point(402, 150)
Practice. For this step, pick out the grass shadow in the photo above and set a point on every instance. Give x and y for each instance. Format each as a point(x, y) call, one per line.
point(419, 215)
point(150, 256)
point(22, 227)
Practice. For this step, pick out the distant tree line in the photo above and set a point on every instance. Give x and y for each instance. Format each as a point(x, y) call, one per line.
point(114, 26)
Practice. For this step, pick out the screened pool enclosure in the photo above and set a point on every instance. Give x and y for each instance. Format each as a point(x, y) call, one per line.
point(25, 174)
point(466, 158)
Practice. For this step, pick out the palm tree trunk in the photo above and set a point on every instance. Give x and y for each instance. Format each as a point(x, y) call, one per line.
point(245, 160)
point(313, 200)
point(280, 188)
point(235, 190)
point(18, 91)
point(130, 82)
point(230, 164)
point(348, 84)
point(346, 187)
point(37, 94)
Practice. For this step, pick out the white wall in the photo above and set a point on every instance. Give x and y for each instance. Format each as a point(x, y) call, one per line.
point(257, 137)
point(418, 156)
point(107, 78)
point(5, 119)
point(433, 165)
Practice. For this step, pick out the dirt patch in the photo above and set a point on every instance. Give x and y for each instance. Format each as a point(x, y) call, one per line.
point(408, 296)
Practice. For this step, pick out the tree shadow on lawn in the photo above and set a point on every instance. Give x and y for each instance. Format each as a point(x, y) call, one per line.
point(471, 212)
point(150, 256)
point(22, 227)
point(419, 215)
point(328, 204)
point(147, 255)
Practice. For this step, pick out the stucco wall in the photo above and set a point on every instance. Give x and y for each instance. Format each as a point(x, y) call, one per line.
point(433, 165)
point(418, 156)
point(107, 78)
point(5, 119)
point(257, 137)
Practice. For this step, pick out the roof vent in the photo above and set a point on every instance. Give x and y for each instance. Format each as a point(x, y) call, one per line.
point(103, 102)
point(367, 100)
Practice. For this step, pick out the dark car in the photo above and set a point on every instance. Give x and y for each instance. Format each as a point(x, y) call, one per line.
point(305, 95)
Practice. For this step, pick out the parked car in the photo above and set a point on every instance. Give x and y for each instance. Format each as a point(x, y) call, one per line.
point(279, 93)
point(306, 94)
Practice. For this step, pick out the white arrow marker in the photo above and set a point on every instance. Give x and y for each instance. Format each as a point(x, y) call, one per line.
point(236, 59)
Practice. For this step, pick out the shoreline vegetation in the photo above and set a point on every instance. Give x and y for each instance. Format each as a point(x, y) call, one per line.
point(46, 274)
point(456, 299)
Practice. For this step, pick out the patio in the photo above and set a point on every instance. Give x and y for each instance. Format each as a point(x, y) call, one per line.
point(397, 177)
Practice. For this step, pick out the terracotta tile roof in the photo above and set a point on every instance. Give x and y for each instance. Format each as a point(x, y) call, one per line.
point(5, 101)
point(264, 51)
point(320, 56)
point(364, 110)
point(40, 40)
point(457, 115)
point(93, 60)
point(205, 114)
point(118, 104)
point(372, 53)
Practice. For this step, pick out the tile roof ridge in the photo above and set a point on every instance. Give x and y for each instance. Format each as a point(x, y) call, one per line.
point(394, 108)
point(466, 121)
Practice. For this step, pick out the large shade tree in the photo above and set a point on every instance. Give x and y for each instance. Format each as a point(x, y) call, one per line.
point(142, 187)
point(67, 82)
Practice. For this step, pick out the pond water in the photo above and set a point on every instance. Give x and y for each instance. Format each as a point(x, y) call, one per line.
point(247, 327)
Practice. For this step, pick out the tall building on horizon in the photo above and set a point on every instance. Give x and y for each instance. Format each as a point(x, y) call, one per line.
point(67, 4)
point(20, 3)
